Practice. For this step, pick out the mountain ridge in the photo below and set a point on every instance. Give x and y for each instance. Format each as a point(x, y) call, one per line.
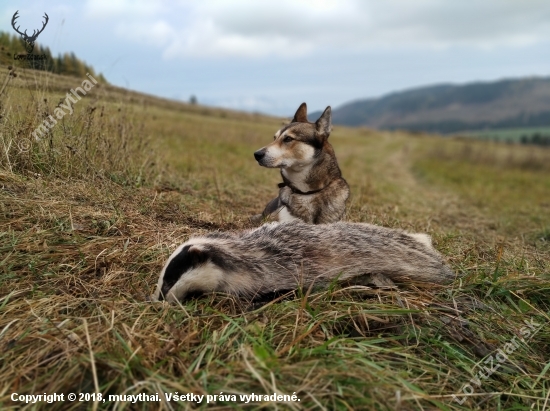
point(449, 108)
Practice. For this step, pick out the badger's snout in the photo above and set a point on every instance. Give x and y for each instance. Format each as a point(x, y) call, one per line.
point(259, 155)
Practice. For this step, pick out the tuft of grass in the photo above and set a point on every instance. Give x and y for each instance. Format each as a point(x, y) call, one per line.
point(96, 141)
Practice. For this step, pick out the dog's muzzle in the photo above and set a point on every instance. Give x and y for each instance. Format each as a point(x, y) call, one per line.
point(259, 155)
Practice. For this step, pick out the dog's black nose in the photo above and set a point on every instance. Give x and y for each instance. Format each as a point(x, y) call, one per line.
point(258, 155)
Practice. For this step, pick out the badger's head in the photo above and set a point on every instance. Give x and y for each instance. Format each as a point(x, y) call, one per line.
point(190, 271)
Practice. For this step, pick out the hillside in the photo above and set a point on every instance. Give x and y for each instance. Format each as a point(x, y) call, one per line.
point(90, 212)
point(452, 108)
point(66, 64)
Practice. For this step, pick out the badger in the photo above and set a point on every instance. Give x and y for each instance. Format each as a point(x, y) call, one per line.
point(279, 257)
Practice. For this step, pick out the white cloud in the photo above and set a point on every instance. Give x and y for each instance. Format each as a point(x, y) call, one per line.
point(122, 8)
point(289, 28)
point(157, 33)
point(206, 39)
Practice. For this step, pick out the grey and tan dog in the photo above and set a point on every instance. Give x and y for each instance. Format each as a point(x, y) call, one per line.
point(279, 257)
point(313, 189)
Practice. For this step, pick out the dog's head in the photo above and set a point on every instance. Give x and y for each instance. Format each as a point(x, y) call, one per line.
point(297, 144)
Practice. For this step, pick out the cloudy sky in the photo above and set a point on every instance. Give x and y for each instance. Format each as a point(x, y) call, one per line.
point(269, 56)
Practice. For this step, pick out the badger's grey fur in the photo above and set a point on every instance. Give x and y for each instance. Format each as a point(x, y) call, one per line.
point(313, 189)
point(279, 257)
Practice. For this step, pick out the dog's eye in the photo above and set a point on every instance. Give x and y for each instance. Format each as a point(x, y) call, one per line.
point(287, 139)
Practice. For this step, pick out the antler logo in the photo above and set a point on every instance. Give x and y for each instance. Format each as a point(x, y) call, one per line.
point(29, 40)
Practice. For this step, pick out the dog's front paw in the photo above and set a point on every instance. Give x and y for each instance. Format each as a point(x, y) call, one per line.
point(284, 195)
point(256, 218)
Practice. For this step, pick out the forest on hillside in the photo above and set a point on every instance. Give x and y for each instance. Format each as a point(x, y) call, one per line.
point(68, 64)
point(448, 109)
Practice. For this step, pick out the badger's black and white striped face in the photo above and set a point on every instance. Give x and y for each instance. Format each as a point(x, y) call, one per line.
point(188, 272)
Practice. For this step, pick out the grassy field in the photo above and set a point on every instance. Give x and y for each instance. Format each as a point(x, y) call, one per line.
point(90, 212)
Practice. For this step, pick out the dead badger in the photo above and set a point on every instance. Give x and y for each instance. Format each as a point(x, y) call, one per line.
point(278, 257)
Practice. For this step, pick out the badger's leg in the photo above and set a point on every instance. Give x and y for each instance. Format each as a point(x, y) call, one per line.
point(379, 281)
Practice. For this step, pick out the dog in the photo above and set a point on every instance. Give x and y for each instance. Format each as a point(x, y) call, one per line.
point(279, 257)
point(313, 189)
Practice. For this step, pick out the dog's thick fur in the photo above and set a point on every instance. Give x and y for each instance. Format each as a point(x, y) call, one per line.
point(313, 189)
point(280, 257)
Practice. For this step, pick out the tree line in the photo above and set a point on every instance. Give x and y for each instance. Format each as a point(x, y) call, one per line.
point(536, 138)
point(68, 64)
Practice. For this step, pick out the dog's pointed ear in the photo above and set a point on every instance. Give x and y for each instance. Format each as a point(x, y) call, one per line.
point(301, 114)
point(324, 123)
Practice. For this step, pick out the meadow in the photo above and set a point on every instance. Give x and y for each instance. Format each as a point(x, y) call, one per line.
point(90, 212)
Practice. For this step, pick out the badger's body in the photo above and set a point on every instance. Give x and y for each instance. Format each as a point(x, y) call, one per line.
point(284, 256)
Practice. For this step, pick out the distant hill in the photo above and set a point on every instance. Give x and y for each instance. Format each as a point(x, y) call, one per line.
point(450, 108)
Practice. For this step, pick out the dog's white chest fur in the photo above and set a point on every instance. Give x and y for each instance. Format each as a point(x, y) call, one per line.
point(298, 176)
point(284, 215)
